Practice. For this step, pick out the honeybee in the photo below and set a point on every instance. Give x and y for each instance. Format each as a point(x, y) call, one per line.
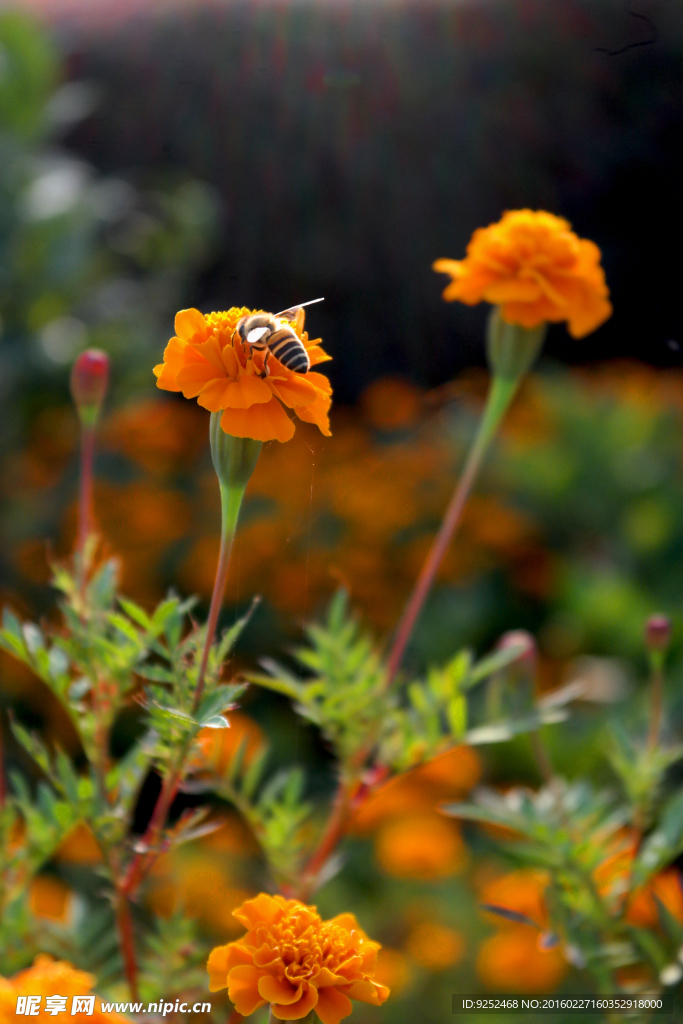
point(275, 335)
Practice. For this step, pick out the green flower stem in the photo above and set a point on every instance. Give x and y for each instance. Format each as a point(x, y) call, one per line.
point(511, 351)
point(500, 395)
point(231, 502)
point(656, 697)
point(234, 459)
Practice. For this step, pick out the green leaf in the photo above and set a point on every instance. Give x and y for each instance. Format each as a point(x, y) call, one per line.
point(254, 773)
point(221, 699)
point(126, 627)
point(215, 722)
point(228, 639)
point(280, 682)
point(136, 613)
point(664, 843)
point(456, 712)
point(11, 624)
point(102, 587)
point(157, 673)
point(493, 663)
point(162, 614)
point(175, 713)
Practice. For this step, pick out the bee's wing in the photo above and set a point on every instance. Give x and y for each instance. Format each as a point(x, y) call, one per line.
point(296, 314)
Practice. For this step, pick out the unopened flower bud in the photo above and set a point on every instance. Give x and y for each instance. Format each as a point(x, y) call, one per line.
point(510, 348)
point(89, 381)
point(658, 632)
point(234, 458)
point(525, 642)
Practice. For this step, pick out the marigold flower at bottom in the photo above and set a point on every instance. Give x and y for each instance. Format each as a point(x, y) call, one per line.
point(49, 977)
point(296, 962)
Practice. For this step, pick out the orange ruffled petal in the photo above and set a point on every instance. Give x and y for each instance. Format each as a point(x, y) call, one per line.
point(267, 422)
point(333, 1006)
point(533, 266)
point(299, 1009)
point(243, 989)
point(276, 990)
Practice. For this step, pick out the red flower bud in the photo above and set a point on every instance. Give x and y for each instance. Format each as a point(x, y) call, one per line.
point(658, 632)
point(526, 643)
point(89, 380)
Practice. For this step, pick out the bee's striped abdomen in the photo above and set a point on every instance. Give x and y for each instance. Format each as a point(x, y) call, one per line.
point(289, 350)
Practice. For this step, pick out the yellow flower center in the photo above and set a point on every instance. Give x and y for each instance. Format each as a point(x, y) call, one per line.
point(306, 944)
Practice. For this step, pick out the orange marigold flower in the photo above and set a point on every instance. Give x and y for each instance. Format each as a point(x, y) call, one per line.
point(523, 891)
point(512, 961)
point(434, 946)
point(48, 977)
point(642, 904)
point(50, 898)
point(424, 846)
point(532, 265)
point(297, 962)
point(207, 360)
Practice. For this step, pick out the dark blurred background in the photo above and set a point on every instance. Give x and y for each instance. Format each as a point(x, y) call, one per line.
point(351, 144)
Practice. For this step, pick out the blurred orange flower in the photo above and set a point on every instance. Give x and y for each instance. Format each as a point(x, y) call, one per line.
point(612, 879)
point(48, 977)
point(79, 847)
point(162, 436)
point(451, 774)
point(393, 970)
point(522, 891)
point(199, 883)
point(208, 361)
point(424, 846)
point(392, 403)
point(512, 961)
point(297, 962)
point(50, 898)
point(665, 887)
point(454, 772)
point(434, 946)
point(532, 265)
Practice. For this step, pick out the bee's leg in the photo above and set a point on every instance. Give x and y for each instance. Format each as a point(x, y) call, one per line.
point(265, 371)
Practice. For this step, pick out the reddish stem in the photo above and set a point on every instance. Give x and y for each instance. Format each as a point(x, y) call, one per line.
point(499, 397)
point(3, 783)
point(141, 861)
point(656, 705)
point(124, 924)
point(235, 1017)
point(438, 549)
point(85, 497)
point(334, 831)
point(227, 537)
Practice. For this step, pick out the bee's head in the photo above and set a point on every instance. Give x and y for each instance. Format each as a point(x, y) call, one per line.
point(252, 328)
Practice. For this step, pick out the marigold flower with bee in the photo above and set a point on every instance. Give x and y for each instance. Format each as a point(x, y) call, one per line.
point(532, 265)
point(296, 962)
point(207, 360)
